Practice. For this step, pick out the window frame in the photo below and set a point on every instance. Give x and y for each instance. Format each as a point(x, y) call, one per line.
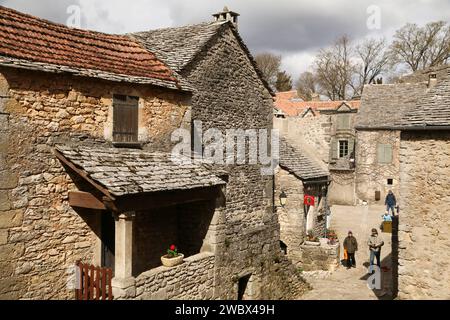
point(129, 136)
point(345, 147)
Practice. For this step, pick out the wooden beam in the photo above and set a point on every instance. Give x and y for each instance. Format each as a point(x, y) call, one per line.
point(147, 201)
point(82, 174)
point(82, 199)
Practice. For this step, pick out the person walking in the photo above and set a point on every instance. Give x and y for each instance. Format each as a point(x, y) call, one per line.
point(390, 202)
point(375, 244)
point(351, 246)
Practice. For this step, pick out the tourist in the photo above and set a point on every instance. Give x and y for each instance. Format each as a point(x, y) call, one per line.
point(390, 202)
point(351, 246)
point(375, 244)
point(387, 216)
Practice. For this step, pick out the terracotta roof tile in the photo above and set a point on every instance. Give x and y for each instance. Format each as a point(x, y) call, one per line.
point(291, 105)
point(28, 38)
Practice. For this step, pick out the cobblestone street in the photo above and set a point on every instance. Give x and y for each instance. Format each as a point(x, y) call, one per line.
point(344, 284)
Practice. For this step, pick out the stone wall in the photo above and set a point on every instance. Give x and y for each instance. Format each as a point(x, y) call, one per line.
point(40, 234)
point(424, 222)
point(230, 95)
point(371, 175)
point(294, 224)
point(292, 216)
point(342, 187)
point(317, 256)
point(312, 133)
point(193, 279)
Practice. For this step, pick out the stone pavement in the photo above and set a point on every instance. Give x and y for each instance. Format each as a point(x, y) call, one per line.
point(344, 284)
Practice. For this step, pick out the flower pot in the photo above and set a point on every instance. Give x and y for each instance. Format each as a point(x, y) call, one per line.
point(173, 261)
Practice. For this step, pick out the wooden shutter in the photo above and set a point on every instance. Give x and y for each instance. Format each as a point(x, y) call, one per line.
point(334, 149)
point(384, 153)
point(125, 118)
point(351, 146)
point(343, 122)
point(387, 153)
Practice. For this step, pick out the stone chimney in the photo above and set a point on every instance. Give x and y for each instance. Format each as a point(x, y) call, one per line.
point(227, 15)
point(432, 80)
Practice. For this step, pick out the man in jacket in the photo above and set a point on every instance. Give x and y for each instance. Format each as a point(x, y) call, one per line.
point(390, 202)
point(375, 244)
point(351, 245)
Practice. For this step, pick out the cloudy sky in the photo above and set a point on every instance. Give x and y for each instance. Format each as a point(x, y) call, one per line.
point(295, 29)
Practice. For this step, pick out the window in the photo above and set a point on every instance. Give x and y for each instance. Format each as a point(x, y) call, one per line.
point(125, 118)
point(343, 121)
point(390, 182)
point(384, 153)
point(343, 148)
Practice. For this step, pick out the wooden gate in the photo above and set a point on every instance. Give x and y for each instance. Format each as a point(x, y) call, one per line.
point(94, 283)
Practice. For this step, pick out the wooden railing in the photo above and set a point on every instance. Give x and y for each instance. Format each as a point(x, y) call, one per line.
point(94, 283)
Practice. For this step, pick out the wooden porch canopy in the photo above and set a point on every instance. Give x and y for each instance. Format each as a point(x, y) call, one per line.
point(132, 180)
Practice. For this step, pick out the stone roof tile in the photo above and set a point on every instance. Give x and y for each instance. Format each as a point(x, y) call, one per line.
point(432, 110)
point(383, 105)
point(179, 46)
point(298, 163)
point(117, 170)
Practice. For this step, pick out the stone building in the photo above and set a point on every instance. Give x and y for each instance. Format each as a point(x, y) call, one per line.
point(424, 157)
point(326, 130)
point(378, 140)
point(300, 175)
point(86, 125)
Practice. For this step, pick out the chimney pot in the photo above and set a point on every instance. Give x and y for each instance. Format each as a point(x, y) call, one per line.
point(432, 80)
point(226, 15)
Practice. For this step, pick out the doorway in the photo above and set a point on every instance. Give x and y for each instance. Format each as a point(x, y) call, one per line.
point(108, 228)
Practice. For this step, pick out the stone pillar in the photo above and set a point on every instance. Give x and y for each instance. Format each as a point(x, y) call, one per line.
point(123, 282)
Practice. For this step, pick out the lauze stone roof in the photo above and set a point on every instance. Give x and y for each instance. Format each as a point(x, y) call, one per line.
point(432, 110)
point(299, 163)
point(179, 46)
point(383, 105)
point(131, 171)
point(33, 43)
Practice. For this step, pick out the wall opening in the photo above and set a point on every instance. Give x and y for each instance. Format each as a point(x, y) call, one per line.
point(283, 247)
point(108, 228)
point(244, 287)
point(184, 225)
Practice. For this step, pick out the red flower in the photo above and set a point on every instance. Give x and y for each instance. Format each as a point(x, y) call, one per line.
point(172, 247)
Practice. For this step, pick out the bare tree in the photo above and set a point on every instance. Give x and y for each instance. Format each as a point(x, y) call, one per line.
point(373, 59)
point(269, 64)
point(306, 85)
point(335, 71)
point(421, 47)
point(284, 82)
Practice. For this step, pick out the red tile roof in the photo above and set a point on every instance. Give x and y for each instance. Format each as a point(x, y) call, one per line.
point(291, 105)
point(32, 39)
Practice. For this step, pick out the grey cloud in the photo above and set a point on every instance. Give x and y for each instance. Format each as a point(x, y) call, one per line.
point(52, 10)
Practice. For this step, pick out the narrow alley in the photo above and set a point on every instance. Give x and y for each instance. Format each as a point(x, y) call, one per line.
point(344, 284)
